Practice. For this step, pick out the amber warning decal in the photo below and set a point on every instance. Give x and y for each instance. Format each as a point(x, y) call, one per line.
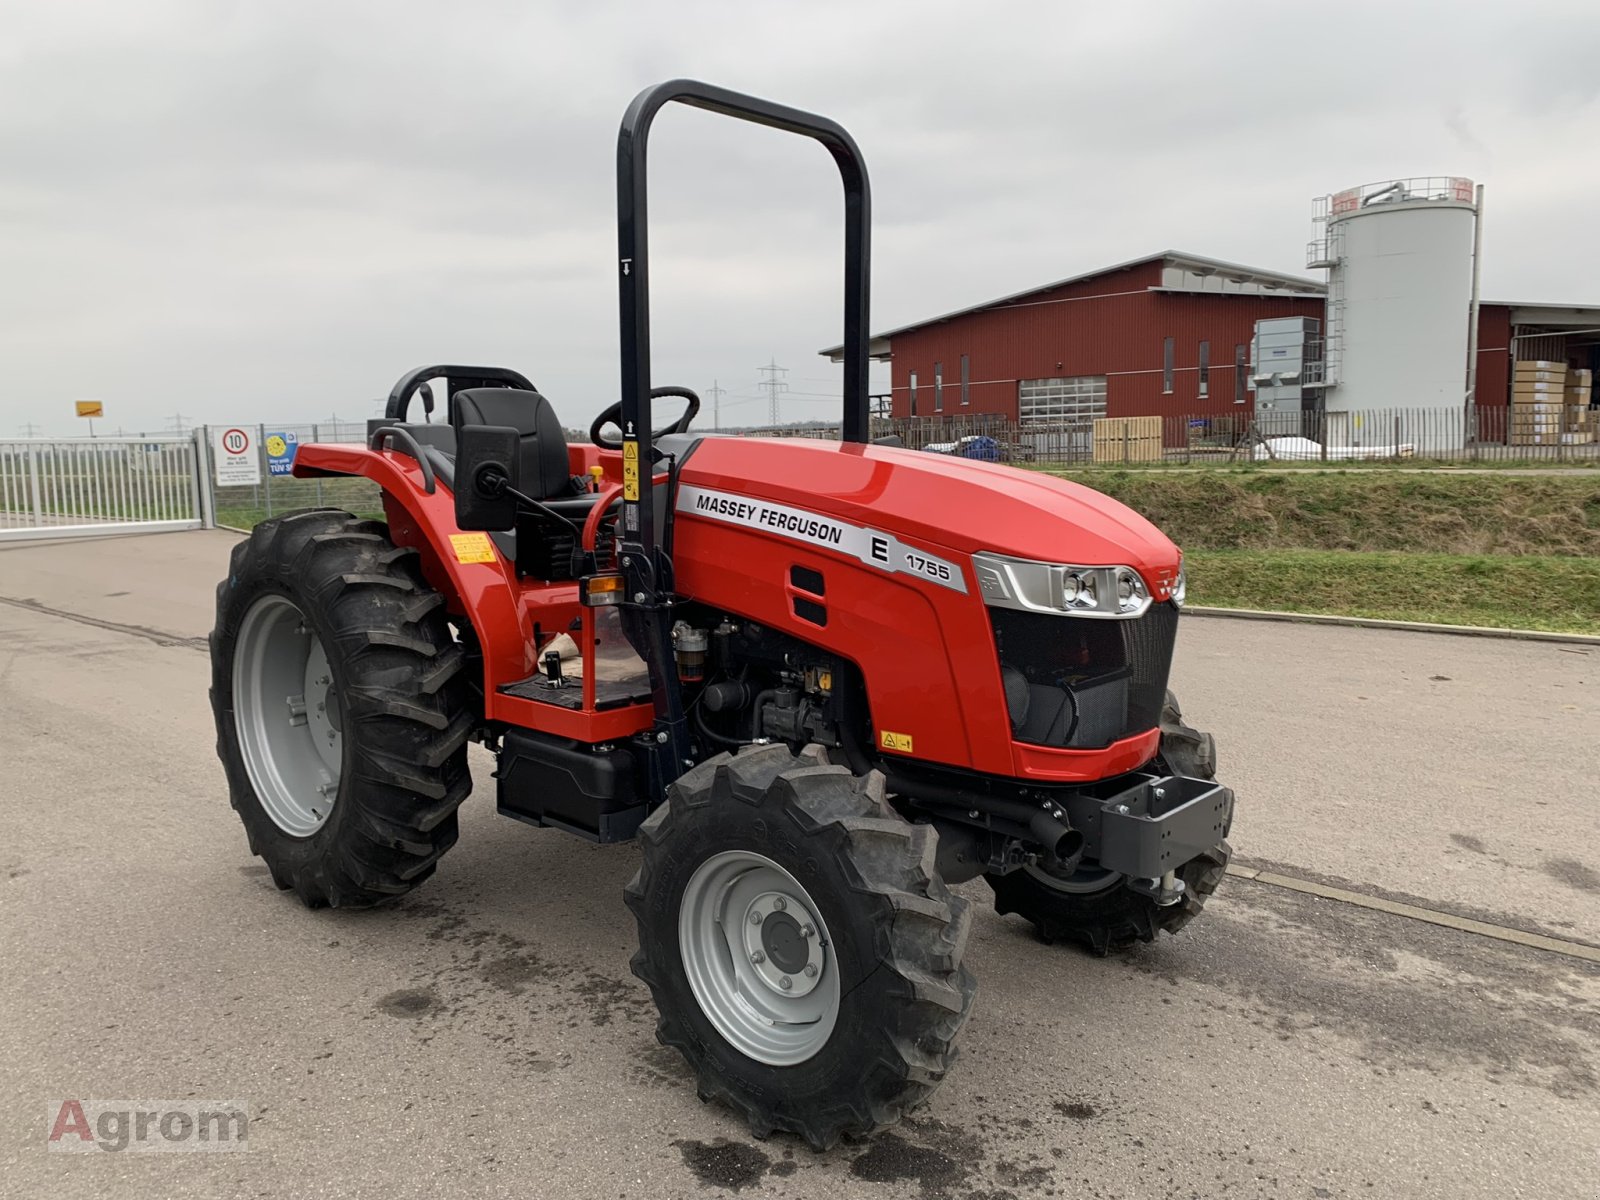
point(895, 741)
point(630, 470)
point(875, 548)
point(472, 547)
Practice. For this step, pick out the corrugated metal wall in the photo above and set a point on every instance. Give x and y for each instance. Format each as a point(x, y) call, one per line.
point(1113, 325)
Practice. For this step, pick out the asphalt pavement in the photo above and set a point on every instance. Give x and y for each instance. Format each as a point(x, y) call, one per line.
point(483, 1036)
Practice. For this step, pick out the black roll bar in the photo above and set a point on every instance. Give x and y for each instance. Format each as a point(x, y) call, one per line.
point(646, 568)
point(633, 251)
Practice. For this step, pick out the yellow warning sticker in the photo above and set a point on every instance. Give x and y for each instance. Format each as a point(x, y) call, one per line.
point(895, 741)
point(630, 470)
point(472, 547)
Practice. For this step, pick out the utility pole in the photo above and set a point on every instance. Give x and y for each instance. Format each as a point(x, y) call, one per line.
point(715, 393)
point(180, 424)
point(774, 386)
point(29, 429)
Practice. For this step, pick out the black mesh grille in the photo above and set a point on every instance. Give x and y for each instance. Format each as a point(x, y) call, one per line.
point(1082, 683)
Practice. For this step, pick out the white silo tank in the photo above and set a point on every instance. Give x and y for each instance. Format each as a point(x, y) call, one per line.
point(1400, 293)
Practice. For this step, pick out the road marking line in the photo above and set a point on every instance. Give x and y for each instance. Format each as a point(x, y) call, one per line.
point(1502, 933)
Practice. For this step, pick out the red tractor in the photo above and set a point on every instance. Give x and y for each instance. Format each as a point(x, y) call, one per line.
point(820, 681)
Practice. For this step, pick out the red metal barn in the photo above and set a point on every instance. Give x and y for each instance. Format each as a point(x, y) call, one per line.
point(1167, 335)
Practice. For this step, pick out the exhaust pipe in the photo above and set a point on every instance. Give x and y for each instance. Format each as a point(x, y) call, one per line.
point(1053, 833)
point(1047, 824)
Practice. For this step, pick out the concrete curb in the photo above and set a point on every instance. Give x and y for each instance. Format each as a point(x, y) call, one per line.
point(1527, 635)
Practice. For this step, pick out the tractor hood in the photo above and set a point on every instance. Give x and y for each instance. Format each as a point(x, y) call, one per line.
point(957, 503)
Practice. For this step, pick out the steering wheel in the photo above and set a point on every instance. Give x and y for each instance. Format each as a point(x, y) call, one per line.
point(613, 416)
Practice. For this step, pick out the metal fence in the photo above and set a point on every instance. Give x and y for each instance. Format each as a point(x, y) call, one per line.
point(1490, 434)
point(68, 487)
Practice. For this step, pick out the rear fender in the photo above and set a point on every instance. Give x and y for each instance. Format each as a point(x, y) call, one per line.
point(484, 592)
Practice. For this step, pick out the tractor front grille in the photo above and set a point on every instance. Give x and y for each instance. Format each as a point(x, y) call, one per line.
point(1081, 683)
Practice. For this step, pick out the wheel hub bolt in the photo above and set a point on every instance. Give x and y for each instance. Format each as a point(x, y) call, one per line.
point(755, 917)
point(785, 983)
point(808, 930)
point(811, 970)
point(758, 958)
point(779, 903)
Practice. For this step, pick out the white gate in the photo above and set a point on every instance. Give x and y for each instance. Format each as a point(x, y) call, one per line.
point(74, 487)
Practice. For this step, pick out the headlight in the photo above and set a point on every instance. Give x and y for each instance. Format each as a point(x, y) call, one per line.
point(1132, 595)
point(1180, 589)
point(1079, 591)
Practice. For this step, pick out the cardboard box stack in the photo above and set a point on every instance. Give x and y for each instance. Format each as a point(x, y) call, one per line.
point(1578, 428)
point(1550, 405)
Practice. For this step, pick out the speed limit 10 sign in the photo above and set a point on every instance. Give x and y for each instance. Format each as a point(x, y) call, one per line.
point(234, 454)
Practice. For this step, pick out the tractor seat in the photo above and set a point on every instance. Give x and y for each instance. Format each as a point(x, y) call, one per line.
point(539, 546)
point(543, 471)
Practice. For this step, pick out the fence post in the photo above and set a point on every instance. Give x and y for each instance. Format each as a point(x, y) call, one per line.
point(205, 506)
point(1124, 442)
point(316, 436)
point(33, 483)
point(263, 467)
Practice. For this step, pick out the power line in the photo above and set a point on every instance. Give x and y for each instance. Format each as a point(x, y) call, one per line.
point(773, 386)
point(716, 392)
point(29, 429)
point(180, 424)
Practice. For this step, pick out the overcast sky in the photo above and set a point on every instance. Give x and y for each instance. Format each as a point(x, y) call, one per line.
point(266, 211)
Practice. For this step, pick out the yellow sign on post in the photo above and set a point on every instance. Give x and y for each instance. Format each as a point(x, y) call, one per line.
point(630, 470)
point(91, 408)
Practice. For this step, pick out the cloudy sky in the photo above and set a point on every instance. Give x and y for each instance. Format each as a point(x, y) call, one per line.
point(242, 211)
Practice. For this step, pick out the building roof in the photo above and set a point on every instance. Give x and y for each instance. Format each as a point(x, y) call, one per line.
point(1197, 264)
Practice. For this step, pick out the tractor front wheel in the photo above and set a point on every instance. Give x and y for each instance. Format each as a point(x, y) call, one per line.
point(803, 953)
point(1095, 907)
point(341, 706)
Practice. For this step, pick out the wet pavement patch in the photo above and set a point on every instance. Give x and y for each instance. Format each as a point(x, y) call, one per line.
point(408, 1002)
point(513, 972)
point(1572, 873)
point(1078, 1110)
point(892, 1159)
point(724, 1164)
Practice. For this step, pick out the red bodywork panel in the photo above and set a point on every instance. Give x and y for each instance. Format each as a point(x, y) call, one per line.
point(926, 651)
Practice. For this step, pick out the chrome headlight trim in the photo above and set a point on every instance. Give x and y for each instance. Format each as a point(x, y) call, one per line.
point(1061, 589)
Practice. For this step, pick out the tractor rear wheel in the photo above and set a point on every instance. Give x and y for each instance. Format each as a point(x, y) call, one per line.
point(1095, 907)
point(803, 953)
point(341, 706)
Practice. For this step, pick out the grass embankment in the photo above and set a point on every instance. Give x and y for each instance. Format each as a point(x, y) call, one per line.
point(1516, 551)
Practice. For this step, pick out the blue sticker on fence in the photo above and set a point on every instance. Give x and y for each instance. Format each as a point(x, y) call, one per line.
point(280, 453)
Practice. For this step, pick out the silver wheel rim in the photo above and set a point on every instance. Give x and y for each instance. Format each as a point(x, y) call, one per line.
point(769, 987)
point(287, 715)
point(1081, 882)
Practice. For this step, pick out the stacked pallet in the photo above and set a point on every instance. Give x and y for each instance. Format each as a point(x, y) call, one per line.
point(1578, 427)
point(1127, 439)
point(1549, 405)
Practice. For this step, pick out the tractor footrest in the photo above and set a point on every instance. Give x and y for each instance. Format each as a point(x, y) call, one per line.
point(1161, 823)
point(608, 693)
